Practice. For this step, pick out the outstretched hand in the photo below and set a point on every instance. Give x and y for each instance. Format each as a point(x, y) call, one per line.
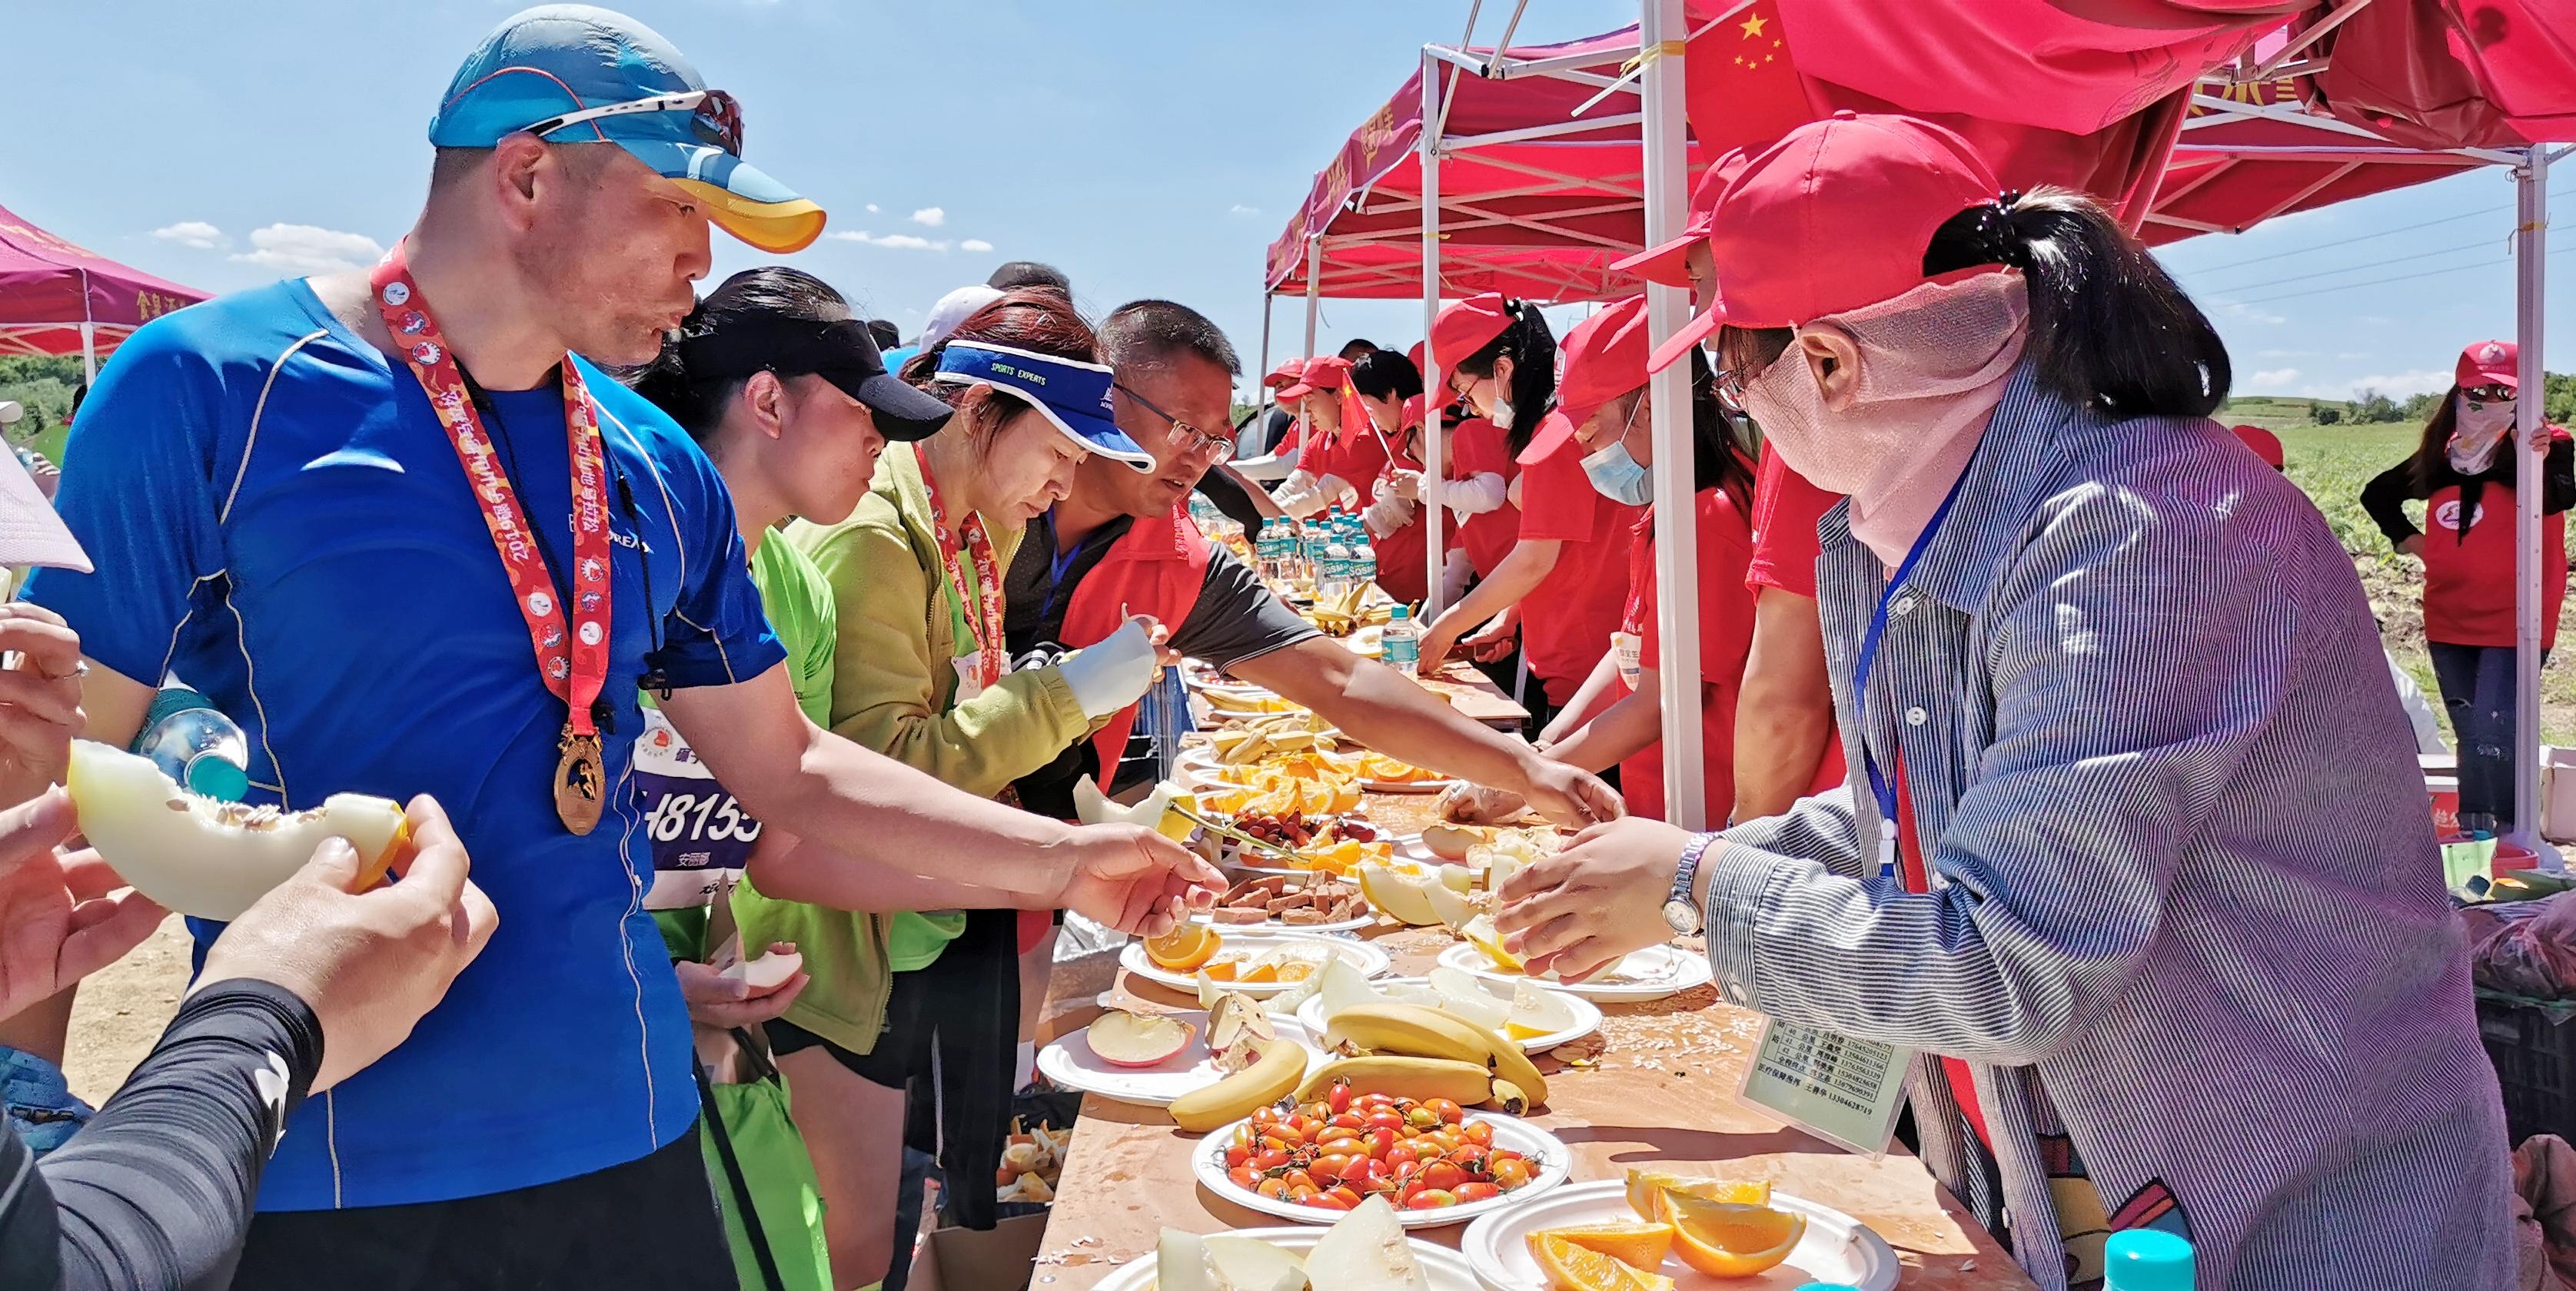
point(1136, 880)
point(62, 916)
point(1579, 911)
point(1570, 797)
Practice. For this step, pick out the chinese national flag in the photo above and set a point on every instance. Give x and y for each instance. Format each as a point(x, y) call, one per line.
point(1739, 87)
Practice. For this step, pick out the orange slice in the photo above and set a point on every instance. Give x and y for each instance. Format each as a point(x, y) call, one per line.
point(1260, 973)
point(1221, 970)
point(1646, 1187)
point(1184, 948)
point(1724, 1239)
point(1631, 1242)
point(1574, 1268)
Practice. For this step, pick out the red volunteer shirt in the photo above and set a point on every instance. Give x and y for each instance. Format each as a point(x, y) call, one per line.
point(1725, 635)
point(1567, 621)
point(1401, 555)
point(2468, 577)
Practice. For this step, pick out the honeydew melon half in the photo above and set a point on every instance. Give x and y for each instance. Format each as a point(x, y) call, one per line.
point(209, 858)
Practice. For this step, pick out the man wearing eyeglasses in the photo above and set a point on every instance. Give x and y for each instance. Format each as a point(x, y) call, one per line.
point(1116, 546)
point(399, 526)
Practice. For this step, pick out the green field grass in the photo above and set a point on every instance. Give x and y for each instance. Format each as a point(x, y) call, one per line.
point(2332, 463)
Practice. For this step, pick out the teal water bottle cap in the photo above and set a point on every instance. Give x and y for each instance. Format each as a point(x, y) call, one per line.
point(2147, 1259)
point(1399, 613)
point(211, 776)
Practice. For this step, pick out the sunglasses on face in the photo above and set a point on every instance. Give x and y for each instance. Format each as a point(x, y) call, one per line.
point(714, 116)
point(1187, 438)
point(2489, 394)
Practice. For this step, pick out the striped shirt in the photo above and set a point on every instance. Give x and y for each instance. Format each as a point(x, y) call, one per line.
point(2186, 921)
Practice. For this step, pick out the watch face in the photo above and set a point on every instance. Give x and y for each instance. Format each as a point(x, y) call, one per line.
point(1683, 916)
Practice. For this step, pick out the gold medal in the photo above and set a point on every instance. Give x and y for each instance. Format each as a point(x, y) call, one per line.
point(580, 778)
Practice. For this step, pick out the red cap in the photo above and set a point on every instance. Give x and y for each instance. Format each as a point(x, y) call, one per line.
point(2265, 444)
point(1669, 264)
point(1323, 372)
point(1285, 374)
point(2489, 363)
point(1415, 354)
point(1466, 327)
point(1605, 357)
point(1834, 216)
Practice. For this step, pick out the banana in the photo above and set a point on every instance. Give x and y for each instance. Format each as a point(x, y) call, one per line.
point(1406, 1030)
point(1432, 1033)
point(1464, 1083)
point(1509, 1099)
point(1243, 1093)
point(1247, 752)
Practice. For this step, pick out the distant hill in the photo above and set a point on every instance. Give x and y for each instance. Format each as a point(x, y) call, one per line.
point(2280, 412)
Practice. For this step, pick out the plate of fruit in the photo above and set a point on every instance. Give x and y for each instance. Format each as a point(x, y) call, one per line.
point(1649, 974)
point(1291, 902)
point(1261, 964)
point(1668, 1232)
point(1535, 1016)
point(1330, 842)
point(1153, 1059)
point(1430, 1159)
point(1364, 1250)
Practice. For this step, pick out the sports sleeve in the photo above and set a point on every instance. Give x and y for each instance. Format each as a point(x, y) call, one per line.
point(140, 495)
point(1558, 502)
point(1236, 617)
point(1786, 511)
point(157, 1190)
point(716, 633)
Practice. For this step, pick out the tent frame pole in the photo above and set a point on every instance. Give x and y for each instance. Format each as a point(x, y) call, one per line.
point(1668, 395)
point(1435, 454)
point(1261, 375)
point(2530, 241)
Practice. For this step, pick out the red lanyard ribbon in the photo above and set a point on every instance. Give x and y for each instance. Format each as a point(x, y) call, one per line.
point(991, 647)
point(571, 659)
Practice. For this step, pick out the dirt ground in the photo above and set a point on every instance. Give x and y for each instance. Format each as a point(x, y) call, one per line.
point(122, 1010)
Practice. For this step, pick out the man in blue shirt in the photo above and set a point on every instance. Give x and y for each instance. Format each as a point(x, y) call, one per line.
point(355, 511)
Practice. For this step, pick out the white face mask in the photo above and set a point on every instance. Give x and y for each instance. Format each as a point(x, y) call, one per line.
point(2477, 430)
point(1501, 415)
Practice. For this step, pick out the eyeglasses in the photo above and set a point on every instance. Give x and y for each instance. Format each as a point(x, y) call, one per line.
point(2489, 393)
point(1461, 391)
point(715, 117)
point(1730, 383)
point(1186, 437)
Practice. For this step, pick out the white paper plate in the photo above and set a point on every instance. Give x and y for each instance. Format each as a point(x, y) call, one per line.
point(1587, 1015)
point(1407, 847)
point(1836, 1247)
point(1554, 1161)
point(1353, 924)
point(1655, 972)
point(1370, 960)
point(1445, 1269)
point(1070, 1063)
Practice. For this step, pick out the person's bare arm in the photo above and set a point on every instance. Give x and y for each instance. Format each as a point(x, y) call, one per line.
point(796, 869)
point(1530, 562)
point(1618, 732)
point(810, 782)
point(1784, 713)
point(1587, 697)
point(1387, 711)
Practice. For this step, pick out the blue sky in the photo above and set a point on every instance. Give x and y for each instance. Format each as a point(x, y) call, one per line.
point(1148, 147)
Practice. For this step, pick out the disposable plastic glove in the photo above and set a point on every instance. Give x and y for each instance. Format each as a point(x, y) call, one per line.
point(1108, 677)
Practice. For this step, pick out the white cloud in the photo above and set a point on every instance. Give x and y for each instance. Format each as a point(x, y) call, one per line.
point(2398, 385)
point(2271, 381)
point(872, 208)
point(309, 249)
point(974, 244)
point(2250, 314)
point(930, 217)
point(2289, 354)
point(194, 233)
point(1240, 209)
point(898, 241)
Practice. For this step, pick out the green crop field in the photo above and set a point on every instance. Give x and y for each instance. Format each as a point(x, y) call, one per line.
point(2331, 463)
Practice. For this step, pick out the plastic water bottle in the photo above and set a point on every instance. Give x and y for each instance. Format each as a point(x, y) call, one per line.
point(1363, 562)
point(1333, 572)
point(1401, 643)
point(196, 744)
point(2146, 1259)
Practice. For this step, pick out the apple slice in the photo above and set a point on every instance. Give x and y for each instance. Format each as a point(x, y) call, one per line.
point(1127, 1039)
point(768, 972)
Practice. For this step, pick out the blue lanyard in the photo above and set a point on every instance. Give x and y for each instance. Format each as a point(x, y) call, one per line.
point(1059, 561)
point(1880, 786)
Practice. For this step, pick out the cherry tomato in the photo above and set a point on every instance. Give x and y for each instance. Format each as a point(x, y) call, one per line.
point(1380, 1141)
point(1401, 1155)
point(1339, 1100)
point(1333, 1200)
point(1303, 1124)
point(1264, 1115)
point(1349, 1120)
point(1469, 1155)
point(1430, 1199)
point(1242, 1176)
point(1237, 1154)
point(1404, 1192)
point(1303, 1194)
point(1346, 1194)
point(1300, 1179)
point(1480, 1133)
point(1421, 1118)
point(1511, 1172)
point(1332, 1134)
point(1273, 1188)
point(1443, 1175)
point(1385, 1121)
point(1333, 1167)
point(1274, 1143)
point(1269, 1159)
point(1448, 1112)
point(1467, 1192)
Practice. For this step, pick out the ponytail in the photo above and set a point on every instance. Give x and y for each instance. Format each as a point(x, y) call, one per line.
point(1532, 349)
point(2110, 330)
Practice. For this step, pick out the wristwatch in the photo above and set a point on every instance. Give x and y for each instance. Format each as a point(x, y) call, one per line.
point(1680, 910)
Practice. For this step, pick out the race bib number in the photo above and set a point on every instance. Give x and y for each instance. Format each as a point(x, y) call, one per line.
point(699, 835)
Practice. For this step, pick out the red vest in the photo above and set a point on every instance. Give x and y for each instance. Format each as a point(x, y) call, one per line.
point(2469, 579)
point(1157, 567)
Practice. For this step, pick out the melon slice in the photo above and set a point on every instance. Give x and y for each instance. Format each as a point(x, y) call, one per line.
point(1251, 1264)
point(767, 973)
point(1340, 986)
point(1126, 1039)
point(1366, 1250)
point(212, 859)
point(1462, 998)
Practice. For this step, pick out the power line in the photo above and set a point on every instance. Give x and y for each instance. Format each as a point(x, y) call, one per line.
point(2364, 237)
point(2375, 282)
point(2358, 268)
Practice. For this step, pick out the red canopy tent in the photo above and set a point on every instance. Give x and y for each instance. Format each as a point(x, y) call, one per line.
point(57, 298)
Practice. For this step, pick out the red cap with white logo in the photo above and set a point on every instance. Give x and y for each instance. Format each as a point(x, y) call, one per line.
point(2489, 363)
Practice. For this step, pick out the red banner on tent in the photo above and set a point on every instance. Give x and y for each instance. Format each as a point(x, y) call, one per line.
point(50, 287)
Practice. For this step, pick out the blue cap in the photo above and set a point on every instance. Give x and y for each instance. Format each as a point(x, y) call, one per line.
point(1072, 396)
point(570, 60)
point(2146, 1259)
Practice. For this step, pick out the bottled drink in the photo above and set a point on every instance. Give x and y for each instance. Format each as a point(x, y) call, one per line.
point(2146, 1259)
point(196, 744)
point(1401, 646)
point(1333, 572)
point(1363, 562)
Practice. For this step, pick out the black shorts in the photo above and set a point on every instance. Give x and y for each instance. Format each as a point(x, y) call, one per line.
point(902, 1050)
point(650, 1223)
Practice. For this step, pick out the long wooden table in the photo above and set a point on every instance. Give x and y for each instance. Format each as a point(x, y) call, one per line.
point(1659, 1092)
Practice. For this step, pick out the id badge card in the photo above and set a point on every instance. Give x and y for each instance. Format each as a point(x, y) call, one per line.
point(968, 684)
point(1843, 1090)
point(1627, 648)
